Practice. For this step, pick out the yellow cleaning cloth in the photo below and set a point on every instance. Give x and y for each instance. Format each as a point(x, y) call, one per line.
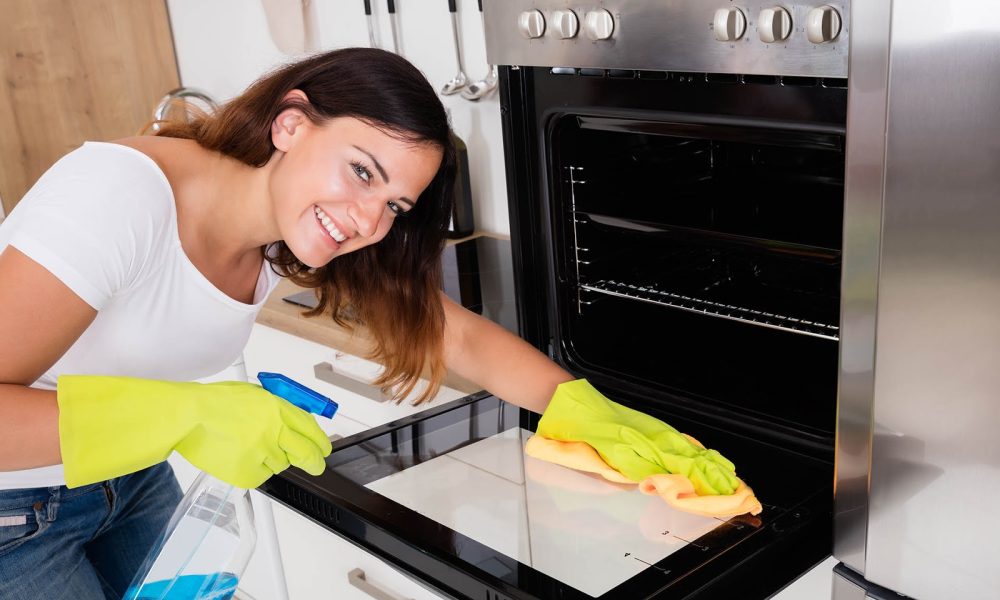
point(676, 490)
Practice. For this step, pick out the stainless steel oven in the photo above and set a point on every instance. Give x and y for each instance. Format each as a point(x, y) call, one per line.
point(718, 226)
point(676, 178)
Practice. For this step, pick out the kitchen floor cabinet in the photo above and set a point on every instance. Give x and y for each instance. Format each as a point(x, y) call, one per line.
point(320, 565)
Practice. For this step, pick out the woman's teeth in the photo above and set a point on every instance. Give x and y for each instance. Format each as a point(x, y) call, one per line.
point(329, 226)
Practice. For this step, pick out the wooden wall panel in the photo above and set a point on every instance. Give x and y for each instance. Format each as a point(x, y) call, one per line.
point(76, 70)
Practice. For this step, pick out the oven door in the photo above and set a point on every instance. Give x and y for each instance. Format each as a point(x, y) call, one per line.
point(449, 497)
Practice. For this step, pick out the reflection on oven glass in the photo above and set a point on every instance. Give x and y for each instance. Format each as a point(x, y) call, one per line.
point(575, 527)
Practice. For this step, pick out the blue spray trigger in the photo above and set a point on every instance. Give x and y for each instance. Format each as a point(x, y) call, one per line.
point(298, 394)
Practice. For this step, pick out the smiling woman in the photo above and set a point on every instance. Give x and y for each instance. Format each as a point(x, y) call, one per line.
point(149, 259)
point(356, 139)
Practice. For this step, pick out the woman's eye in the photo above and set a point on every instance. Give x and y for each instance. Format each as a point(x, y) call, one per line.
point(362, 172)
point(396, 209)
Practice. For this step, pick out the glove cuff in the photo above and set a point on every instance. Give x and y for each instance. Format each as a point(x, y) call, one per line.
point(105, 426)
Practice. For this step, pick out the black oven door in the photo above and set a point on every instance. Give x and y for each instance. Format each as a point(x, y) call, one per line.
point(449, 497)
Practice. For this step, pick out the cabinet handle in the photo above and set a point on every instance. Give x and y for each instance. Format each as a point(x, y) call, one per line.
point(324, 371)
point(356, 577)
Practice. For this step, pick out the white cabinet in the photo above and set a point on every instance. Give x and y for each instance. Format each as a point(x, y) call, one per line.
point(319, 565)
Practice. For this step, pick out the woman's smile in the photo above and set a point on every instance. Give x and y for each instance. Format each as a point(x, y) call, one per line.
point(329, 226)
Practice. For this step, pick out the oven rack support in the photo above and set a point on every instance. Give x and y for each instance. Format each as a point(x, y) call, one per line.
point(713, 309)
point(577, 249)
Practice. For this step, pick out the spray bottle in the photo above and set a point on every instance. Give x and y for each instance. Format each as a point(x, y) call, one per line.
point(210, 538)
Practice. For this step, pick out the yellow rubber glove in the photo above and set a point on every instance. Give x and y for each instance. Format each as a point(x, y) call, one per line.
point(237, 432)
point(634, 444)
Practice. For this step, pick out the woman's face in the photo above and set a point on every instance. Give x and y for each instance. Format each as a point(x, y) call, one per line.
point(339, 186)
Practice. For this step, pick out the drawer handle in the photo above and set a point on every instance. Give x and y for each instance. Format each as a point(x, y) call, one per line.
point(356, 577)
point(324, 371)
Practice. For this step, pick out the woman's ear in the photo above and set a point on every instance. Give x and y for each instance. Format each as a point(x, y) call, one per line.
point(289, 122)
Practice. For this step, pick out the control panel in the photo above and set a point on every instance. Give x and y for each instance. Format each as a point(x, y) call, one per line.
point(712, 36)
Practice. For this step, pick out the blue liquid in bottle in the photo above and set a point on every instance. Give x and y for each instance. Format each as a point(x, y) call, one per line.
point(217, 586)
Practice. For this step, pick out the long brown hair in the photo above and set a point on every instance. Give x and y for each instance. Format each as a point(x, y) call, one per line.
point(392, 287)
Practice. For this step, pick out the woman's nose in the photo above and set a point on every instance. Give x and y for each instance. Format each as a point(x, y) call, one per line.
point(367, 214)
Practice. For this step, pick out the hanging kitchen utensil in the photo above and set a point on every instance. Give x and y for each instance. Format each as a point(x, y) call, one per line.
point(395, 25)
point(458, 81)
point(482, 88)
point(371, 27)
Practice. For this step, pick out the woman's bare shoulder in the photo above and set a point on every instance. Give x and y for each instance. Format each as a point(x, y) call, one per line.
point(160, 149)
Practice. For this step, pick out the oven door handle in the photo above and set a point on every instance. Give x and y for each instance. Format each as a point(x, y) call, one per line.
point(325, 371)
point(356, 577)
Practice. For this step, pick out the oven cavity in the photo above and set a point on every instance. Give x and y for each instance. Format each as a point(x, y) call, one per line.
point(703, 257)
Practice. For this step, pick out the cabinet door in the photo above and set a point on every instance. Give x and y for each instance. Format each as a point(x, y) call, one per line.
point(320, 565)
point(76, 71)
point(351, 376)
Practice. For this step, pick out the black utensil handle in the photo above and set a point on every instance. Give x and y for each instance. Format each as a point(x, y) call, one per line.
point(451, 6)
point(368, 7)
point(392, 6)
point(480, 5)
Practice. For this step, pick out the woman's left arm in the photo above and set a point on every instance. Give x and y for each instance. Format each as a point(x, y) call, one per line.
point(485, 353)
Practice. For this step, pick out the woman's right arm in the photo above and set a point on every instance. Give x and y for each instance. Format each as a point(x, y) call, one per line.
point(40, 318)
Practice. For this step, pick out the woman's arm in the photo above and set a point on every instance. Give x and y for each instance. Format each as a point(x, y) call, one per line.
point(40, 318)
point(487, 354)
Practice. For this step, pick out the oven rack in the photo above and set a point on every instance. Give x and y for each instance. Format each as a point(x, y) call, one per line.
point(752, 316)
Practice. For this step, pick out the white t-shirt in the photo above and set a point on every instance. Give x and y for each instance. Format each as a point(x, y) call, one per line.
point(103, 220)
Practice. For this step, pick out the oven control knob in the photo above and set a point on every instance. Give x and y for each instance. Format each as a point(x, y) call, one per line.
point(774, 24)
point(531, 23)
point(730, 24)
point(599, 24)
point(565, 24)
point(823, 24)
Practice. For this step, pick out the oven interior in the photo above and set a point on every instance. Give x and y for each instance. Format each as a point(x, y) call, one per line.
point(701, 261)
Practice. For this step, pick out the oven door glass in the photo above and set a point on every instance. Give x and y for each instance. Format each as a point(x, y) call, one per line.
point(455, 487)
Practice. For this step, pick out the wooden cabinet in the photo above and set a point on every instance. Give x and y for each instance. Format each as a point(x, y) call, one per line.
point(75, 71)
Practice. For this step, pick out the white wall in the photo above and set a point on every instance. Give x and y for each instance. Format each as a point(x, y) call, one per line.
point(223, 45)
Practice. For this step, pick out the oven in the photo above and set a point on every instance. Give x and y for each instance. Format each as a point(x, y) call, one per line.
point(675, 174)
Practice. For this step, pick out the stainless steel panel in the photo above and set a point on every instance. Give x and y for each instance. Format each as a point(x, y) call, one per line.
point(863, 188)
point(845, 589)
point(935, 474)
point(667, 35)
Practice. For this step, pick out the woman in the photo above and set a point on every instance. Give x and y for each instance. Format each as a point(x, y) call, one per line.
point(135, 266)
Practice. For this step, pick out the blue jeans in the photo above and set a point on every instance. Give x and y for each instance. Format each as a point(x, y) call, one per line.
point(83, 543)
